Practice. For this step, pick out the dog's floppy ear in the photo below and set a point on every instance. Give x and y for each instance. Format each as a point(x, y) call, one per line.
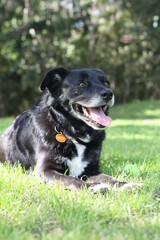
point(53, 78)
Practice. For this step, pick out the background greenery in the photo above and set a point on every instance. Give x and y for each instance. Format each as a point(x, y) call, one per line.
point(30, 210)
point(121, 37)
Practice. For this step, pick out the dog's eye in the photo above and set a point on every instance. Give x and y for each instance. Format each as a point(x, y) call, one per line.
point(106, 84)
point(82, 84)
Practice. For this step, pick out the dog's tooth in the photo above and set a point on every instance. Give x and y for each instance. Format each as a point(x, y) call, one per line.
point(85, 111)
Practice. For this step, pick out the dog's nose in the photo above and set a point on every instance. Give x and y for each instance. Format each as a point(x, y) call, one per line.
point(107, 94)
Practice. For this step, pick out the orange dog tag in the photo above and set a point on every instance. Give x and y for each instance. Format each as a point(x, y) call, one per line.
point(61, 138)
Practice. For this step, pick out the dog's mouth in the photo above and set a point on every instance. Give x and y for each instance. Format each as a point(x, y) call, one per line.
point(93, 116)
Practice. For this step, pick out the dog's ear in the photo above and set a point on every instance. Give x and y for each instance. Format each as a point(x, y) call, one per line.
point(53, 78)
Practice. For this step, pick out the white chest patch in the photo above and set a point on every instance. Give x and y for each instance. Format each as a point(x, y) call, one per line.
point(77, 165)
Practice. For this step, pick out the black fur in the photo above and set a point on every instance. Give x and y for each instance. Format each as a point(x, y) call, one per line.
point(31, 139)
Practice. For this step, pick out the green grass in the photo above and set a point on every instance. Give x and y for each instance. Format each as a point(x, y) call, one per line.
point(33, 210)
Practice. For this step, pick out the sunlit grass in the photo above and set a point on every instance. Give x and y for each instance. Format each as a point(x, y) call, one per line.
point(32, 210)
point(137, 110)
point(4, 123)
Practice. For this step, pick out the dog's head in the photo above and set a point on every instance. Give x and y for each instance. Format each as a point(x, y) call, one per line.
point(85, 93)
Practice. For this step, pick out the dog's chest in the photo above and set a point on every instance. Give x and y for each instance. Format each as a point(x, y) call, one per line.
point(77, 164)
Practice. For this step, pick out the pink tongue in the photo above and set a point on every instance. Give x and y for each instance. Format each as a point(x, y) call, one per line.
point(98, 115)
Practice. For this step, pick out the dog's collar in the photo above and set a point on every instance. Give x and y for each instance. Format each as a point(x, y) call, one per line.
point(60, 137)
point(86, 139)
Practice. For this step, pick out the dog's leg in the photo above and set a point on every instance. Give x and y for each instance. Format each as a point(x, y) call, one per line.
point(113, 182)
point(103, 178)
point(68, 182)
point(52, 176)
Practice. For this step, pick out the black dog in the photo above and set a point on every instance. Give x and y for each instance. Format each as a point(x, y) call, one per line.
point(62, 135)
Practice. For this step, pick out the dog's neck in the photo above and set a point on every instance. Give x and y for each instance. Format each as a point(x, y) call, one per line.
point(66, 123)
point(75, 128)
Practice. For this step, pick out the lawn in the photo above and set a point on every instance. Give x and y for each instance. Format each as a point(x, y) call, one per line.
point(33, 210)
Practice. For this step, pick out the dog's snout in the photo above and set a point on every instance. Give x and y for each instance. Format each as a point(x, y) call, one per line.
point(107, 94)
point(110, 95)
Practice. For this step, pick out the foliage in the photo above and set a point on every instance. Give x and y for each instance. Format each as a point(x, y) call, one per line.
point(120, 37)
point(30, 210)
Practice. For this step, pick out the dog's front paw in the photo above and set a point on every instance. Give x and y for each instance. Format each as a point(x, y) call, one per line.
point(128, 186)
point(99, 188)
